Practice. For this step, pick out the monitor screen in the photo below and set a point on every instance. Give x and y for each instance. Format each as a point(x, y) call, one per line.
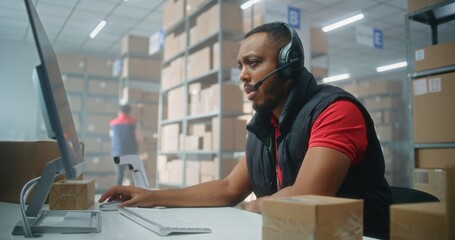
point(53, 99)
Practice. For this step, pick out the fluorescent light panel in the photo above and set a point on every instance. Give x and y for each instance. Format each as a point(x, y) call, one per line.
point(98, 28)
point(336, 78)
point(248, 4)
point(391, 66)
point(343, 22)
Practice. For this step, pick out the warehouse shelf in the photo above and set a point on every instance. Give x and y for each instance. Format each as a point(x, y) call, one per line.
point(217, 74)
point(433, 16)
point(434, 71)
point(434, 145)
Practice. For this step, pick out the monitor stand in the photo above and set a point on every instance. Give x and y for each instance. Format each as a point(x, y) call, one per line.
point(35, 220)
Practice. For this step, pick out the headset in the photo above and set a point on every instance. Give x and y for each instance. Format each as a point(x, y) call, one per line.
point(291, 55)
point(290, 58)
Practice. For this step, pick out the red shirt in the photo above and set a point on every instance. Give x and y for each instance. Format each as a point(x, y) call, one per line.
point(122, 118)
point(340, 126)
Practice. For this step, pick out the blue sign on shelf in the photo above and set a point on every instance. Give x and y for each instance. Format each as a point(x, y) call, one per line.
point(378, 40)
point(294, 17)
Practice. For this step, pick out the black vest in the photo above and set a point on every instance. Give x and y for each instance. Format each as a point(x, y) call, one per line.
point(303, 106)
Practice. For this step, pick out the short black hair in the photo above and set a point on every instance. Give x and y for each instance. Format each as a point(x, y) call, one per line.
point(277, 33)
point(125, 108)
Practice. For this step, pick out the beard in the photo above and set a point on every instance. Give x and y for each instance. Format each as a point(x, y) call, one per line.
point(274, 93)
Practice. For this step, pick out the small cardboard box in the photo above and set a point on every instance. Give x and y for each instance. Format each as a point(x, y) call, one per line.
point(433, 112)
point(435, 158)
point(415, 5)
point(21, 162)
point(418, 221)
point(312, 217)
point(435, 56)
point(72, 195)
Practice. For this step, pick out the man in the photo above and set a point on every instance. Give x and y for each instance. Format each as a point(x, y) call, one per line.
point(125, 136)
point(303, 139)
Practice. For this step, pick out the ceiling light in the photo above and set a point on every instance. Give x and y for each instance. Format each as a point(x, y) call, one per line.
point(343, 22)
point(97, 29)
point(248, 4)
point(391, 66)
point(336, 78)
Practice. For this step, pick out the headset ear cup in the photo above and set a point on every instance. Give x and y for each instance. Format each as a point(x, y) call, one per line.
point(293, 51)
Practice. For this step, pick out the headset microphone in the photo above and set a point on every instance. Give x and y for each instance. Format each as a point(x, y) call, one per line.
point(258, 84)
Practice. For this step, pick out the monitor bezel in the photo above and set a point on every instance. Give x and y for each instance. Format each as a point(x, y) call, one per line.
point(71, 155)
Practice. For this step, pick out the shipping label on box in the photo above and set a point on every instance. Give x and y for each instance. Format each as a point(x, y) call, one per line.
point(312, 217)
point(432, 181)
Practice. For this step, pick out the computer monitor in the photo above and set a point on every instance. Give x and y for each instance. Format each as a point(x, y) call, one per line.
point(60, 126)
point(53, 100)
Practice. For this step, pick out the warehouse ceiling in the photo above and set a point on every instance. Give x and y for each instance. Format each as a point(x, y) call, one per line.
point(69, 22)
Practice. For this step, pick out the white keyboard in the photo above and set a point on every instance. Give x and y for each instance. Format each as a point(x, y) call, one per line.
point(160, 222)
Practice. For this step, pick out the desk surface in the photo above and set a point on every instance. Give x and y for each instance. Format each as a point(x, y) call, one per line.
point(226, 223)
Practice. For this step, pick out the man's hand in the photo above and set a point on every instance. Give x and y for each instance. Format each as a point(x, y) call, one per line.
point(129, 195)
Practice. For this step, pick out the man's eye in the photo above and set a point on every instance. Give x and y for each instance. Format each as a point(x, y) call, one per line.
point(252, 63)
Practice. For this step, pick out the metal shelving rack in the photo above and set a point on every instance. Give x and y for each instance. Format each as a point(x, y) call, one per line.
point(433, 16)
point(215, 76)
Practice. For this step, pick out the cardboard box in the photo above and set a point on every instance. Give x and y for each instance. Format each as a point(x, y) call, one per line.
point(312, 217)
point(72, 63)
point(192, 5)
point(73, 84)
point(417, 221)
point(433, 111)
point(231, 133)
point(72, 195)
point(174, 11)
point(415, 5)
point(232, 98)
point(98, 66)
point(175, 103)
point(352, 88)
point(382, 102)
point(231, 18)
point(98, 123)
point(318, 41)
point(229, 50)
point(435, 56)
point(170, 137)
point(75, 102)
point(435, 158)
point(198, 63)
point(387, 132)
point(319, 72)
point(141, 68)
point(432, 181)
point(21, 162)
point(109, 87)
point(379, 87)
point(135, 44)
point(101, 104)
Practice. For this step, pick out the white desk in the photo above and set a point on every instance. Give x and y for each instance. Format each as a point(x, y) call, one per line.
point(226, 223)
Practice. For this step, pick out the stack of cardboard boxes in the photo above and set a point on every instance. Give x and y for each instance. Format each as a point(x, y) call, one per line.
point(140, 80)
point(196, 62)
point(434, 138)
point(94, 90)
